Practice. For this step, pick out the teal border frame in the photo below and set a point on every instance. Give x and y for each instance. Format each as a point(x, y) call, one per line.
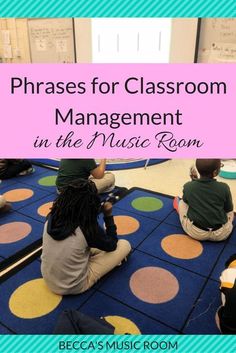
point(118, 8)
point(90, 343)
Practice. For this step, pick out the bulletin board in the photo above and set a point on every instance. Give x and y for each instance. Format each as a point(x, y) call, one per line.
point(51, 40)
point(217, 40)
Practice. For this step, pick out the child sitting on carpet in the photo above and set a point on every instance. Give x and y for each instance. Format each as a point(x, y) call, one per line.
point(73, 169)
point(227, 312)
point(10, 168)
point(77, 252)
point(4, 205)
point(206, 210)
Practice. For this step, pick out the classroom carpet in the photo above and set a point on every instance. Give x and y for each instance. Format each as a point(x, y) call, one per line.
point(31, 197)
point(21, 229)
point(112, 164)
point(169, 284)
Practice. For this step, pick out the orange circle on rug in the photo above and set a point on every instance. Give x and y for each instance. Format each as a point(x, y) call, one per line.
point(122, 325)
point(33, 299)
point(154, 285)
point(181, 246)
point(45, 209)
point(17, 195)
point(14, 231)
point(126, 225)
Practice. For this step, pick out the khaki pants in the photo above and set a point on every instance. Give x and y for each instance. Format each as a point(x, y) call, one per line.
point(106, 184)
point(199, 234)
point(102, 262)
point(2, 201)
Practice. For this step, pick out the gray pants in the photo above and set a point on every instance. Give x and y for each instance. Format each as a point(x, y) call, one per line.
point(199, 234)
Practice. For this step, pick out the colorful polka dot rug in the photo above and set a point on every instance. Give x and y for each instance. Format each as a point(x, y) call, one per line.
point(31, 198)
point(169, 285)
point(112, 164)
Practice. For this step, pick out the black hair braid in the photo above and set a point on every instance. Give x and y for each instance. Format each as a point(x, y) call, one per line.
point(78, 205)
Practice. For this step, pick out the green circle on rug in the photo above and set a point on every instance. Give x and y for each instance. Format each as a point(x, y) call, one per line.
point(147, 204)
point(48, 180)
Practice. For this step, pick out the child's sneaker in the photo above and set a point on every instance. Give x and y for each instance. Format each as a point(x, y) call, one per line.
point(27, 172)
point(176, 203)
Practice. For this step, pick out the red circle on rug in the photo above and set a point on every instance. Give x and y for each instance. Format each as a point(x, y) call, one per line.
point(154, 285)
point(14, 231)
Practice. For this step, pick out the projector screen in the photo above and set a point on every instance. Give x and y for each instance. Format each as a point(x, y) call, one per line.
point(136, 40)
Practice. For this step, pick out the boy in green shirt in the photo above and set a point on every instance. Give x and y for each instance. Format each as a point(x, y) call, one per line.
point(206, 209)
point(72, 169)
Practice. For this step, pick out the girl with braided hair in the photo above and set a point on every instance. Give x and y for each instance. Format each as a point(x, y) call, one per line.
point(77, 252)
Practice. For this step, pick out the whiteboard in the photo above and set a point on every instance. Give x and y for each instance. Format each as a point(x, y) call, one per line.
point(135, 40)
point(51, 40)
point(132, 40)
point(217, 40)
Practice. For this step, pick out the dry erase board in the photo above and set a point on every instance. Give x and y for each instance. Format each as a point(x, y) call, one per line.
point(51, 40)
point(135, 40)
point(217, 40)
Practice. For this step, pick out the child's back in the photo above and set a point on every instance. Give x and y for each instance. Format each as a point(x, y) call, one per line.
point(209, 202)
point(206, 211)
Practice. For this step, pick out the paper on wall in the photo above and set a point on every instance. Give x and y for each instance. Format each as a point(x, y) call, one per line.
point(61, 45)
point(7, 51)
point(222, 52)
point(6, 37)
point(40, 44)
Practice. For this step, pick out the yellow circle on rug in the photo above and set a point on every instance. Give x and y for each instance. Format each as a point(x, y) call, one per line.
point(18, 195)
point(33, 299)
point(181, 246)
point(14, 231)
point(126, 225)
point(45, 209)
point(122, 325)
point(154, 285)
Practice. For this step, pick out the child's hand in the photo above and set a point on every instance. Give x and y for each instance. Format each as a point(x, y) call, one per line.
point(193, 173)
point(107, 209)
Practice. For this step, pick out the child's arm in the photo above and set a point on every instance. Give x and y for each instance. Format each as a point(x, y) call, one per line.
point(193, 173)
point(228, 206)
point(99, 171)
point(185, 193)
point(105, 239)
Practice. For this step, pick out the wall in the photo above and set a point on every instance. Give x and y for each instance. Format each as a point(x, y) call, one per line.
point(217, 41)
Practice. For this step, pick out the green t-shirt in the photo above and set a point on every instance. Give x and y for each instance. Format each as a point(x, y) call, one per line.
point(209, 202)
point(72, 169)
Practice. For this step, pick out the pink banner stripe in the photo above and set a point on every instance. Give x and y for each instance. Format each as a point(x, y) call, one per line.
point(117, 110)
